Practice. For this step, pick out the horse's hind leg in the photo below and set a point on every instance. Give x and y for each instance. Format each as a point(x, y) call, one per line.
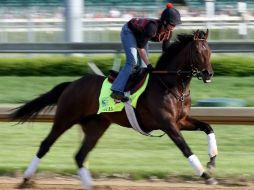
point(193, 124)
point(93, 128)
point(57, 130)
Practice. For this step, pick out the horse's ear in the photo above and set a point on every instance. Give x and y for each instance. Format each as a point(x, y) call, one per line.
point(206, 34)
point(196, 34)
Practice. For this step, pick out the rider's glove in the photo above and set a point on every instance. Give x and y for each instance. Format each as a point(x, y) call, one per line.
point(149, 68)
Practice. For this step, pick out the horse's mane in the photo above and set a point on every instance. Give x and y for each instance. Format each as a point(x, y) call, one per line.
point(181, 41)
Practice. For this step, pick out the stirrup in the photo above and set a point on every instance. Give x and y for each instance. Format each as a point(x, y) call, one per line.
point(125, 99)
point(119, 98)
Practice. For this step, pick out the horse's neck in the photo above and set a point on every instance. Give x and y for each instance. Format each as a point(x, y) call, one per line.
point(180, 62)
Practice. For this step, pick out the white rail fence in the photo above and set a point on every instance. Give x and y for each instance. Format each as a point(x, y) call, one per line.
point(216, 46)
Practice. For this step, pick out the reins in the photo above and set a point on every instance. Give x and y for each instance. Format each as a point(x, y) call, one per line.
point(193, 72)
point(190, 73)
point(181, 97)
point(179, 72)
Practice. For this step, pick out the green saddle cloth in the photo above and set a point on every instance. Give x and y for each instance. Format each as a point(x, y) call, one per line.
point(107, 104)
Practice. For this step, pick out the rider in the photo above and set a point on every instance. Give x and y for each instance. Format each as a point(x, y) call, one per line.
point(135, 35)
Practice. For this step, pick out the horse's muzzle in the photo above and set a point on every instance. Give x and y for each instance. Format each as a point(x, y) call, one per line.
point(205, 75)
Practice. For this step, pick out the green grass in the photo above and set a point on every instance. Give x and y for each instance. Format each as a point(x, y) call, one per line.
point(124, 151)
point(14, 89)
point(226, 87)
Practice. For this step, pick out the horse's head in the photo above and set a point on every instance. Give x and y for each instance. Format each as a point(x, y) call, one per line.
point(200, 54)
point(188, 56)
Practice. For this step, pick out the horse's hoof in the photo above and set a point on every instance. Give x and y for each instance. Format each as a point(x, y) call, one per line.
point(211, 181)
point(211, 164)
point(26, 184)
point(211, 167)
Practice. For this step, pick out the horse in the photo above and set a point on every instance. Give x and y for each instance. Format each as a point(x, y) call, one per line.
point(164, 105)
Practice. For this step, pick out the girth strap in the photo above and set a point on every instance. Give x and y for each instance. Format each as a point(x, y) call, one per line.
point(133, 120)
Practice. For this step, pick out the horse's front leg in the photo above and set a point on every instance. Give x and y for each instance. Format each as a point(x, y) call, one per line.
point(171, 129)
point(193, 124)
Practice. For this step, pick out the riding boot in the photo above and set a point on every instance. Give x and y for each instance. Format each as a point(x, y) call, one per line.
point(119, 96)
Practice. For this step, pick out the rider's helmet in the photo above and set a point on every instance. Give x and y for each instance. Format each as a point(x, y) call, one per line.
point(171, 15)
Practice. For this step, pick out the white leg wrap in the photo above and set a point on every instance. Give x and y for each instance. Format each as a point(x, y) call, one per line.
point(32, 168)
point(196, 165)
point(85, 178)
point(212, 145)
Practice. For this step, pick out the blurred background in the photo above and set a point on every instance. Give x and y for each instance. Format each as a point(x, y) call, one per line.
point(28, 24)
point(101, 21)
point(24, 76)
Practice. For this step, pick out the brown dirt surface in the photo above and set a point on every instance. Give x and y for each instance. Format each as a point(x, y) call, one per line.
point(73, 183)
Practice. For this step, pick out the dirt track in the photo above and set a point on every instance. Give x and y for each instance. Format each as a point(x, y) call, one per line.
point(64, 183)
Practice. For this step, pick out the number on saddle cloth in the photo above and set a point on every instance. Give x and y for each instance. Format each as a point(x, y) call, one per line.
point(134, 82)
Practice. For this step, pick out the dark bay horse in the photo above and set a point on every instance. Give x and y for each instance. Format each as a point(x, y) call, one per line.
point(164, 105)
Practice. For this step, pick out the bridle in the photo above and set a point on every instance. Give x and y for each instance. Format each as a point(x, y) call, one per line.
point(193, 72)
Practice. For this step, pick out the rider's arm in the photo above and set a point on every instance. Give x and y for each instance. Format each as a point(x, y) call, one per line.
point(143, 55)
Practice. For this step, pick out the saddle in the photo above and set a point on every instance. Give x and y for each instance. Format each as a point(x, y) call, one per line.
point(134, 82)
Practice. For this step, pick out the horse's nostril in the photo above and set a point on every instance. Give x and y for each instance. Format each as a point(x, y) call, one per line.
point(207, 73)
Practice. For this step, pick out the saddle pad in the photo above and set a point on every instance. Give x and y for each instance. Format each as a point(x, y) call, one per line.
point(107, 104)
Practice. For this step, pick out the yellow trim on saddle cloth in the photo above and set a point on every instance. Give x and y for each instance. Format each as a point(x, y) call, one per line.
point(107, 104)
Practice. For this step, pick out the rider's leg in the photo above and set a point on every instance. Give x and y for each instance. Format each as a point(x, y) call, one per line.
point(130, 47)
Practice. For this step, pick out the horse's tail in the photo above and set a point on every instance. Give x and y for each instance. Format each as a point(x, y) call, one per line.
point(32, 108)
